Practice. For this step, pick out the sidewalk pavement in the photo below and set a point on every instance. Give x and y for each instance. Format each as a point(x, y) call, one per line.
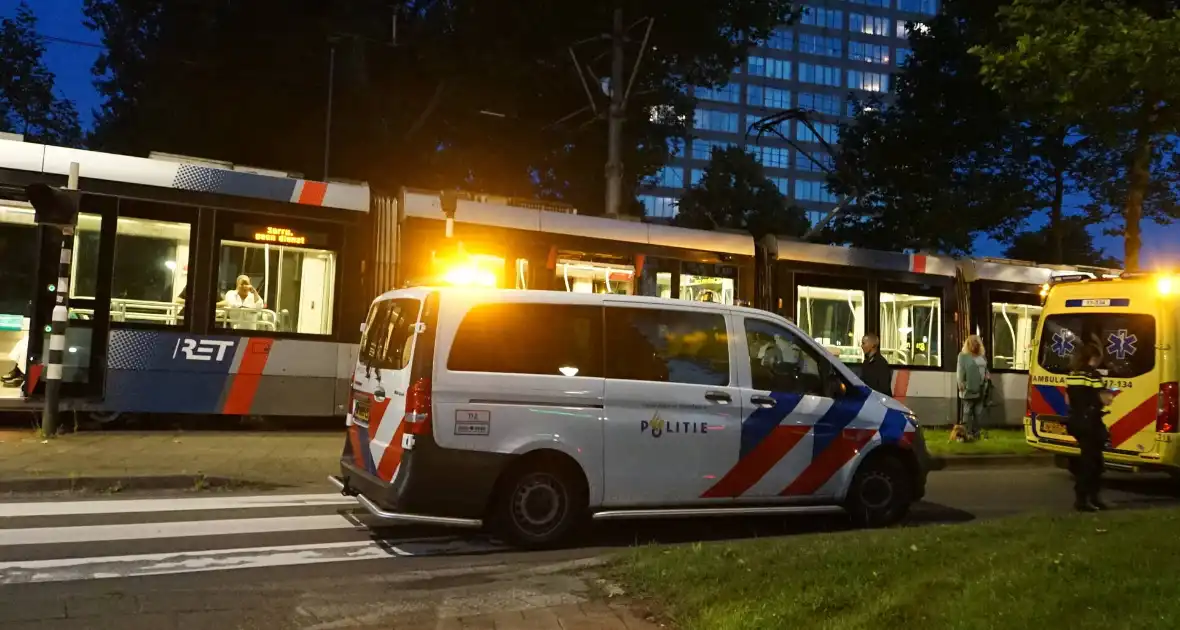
point(167, 460)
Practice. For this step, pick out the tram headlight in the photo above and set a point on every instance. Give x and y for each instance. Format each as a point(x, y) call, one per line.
point(1164, 285)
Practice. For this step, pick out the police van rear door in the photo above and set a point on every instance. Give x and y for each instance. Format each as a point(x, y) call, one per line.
point(1130, 367)
point(380, 383)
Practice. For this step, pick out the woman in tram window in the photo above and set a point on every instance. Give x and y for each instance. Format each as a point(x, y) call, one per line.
point(973, 378)
point(238, 303)
point(243, 296)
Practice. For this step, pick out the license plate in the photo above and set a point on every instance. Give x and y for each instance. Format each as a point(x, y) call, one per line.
point(1055, 428)
point(360, 410)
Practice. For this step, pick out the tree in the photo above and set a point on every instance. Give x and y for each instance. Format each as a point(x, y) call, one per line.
point(1075, 241)
point(951, 158)
point(734, 193)
point(1107, 69)
point(475, 94)
point(946, 158)
point(28, 104)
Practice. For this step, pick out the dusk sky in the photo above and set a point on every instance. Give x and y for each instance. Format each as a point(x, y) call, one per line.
point(72, 62)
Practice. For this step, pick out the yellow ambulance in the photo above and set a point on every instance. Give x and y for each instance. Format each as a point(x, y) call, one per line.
point(1133, 319)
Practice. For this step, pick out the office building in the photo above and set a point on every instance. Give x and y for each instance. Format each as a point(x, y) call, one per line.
point(838, 49)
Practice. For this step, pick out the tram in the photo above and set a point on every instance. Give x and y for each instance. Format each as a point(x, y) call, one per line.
point(922, 307)
point(158, 250)
point(162, 243)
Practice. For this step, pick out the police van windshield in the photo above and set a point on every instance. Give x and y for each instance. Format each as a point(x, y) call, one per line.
point(1127, 342)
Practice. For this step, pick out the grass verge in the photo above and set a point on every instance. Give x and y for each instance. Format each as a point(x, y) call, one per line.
point(994, 442)
point(1072, 571)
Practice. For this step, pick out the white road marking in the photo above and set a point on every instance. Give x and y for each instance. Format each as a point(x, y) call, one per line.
point(137, 506)
point(68, 569)
point(183, 529)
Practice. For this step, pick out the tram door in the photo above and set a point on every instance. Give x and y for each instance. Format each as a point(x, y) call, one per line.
point(92, 251)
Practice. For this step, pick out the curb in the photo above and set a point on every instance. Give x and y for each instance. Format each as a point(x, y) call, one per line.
point(35, 485)
point(967, 462)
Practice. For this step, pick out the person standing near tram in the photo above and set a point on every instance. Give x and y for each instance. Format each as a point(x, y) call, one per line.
point(1088, 399)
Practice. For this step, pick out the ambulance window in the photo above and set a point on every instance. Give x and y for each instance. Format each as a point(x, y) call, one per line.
point(1013, 328)
point(544, 339)
point(667, 346)
point(1127, 342)
point(387, 329)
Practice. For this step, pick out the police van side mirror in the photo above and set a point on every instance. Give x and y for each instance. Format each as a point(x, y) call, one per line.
point(54, 206)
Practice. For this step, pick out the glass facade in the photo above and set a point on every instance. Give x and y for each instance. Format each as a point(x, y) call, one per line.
point(838, 47)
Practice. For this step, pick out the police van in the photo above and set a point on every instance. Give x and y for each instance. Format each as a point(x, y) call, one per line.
point(1133, 319)
point(532, 412)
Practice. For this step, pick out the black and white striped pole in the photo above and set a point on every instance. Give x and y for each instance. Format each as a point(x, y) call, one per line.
point(57, 208)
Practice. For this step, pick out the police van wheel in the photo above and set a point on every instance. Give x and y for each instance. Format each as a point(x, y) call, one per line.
point(540, 506)
point(881, 492)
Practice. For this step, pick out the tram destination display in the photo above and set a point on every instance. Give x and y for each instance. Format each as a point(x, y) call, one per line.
point(279, 235)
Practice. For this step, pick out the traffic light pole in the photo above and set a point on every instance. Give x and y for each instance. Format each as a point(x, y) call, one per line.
point(57, 335)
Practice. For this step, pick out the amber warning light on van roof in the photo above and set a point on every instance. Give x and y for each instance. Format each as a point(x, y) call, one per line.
point(454, 266)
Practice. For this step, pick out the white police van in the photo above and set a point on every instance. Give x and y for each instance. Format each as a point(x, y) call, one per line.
point(534, 411)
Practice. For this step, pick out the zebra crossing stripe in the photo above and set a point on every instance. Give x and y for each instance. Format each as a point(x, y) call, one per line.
point(100, 567)
point(146, 506)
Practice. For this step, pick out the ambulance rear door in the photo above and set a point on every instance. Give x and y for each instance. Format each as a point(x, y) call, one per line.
point(1131, 367)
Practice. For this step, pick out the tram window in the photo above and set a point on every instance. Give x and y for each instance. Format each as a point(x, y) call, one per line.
point(911, 329)
point(522, 273)
point(664, 284)
point(84, 267)
point(705, 289)
point(150, 269)
point(291, 288)
point(579, 276)
point(1013, 328)
point(835, 318)
point(18, 253)
point(653, 282)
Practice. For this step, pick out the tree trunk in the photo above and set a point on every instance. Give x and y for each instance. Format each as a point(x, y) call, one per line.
point(1138, 175)
point(1056, 229)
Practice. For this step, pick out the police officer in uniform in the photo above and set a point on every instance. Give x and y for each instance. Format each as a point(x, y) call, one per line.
point(876, 372)
point(1088, 397)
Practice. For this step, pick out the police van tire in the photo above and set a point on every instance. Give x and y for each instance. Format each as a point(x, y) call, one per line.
point(881, 492)
point(540, 504)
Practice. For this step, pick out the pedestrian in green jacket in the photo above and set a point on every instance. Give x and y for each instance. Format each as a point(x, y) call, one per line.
point(973, 378)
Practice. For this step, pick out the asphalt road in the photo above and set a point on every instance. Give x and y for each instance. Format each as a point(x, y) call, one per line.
point(310, 562)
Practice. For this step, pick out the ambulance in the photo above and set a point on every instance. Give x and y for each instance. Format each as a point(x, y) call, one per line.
point(534, 412)
point(1132, 317)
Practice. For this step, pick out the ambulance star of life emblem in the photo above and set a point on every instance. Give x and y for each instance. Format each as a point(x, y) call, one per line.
point(1121, 345)
point(1062, 343)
